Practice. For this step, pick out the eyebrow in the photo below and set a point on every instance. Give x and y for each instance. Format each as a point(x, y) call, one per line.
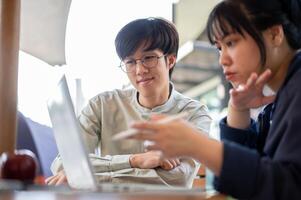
point(144, 52)
point(225, 36)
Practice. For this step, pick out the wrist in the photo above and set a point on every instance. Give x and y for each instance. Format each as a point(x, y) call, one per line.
point(238, 118)
point(133, 159)
point(196, 141)
point(237, 109)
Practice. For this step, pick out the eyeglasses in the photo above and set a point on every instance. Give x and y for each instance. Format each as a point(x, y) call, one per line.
point(148, 62)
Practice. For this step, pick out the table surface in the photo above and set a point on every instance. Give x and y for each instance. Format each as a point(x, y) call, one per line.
point(51, 195)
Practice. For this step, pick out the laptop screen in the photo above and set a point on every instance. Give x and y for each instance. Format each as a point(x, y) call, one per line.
point(69, 139)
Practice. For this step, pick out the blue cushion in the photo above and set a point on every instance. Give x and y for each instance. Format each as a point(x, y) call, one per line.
point(39, 139)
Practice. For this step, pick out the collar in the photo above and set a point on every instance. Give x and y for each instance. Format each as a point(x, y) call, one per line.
point(293, 67)
point(164, 108)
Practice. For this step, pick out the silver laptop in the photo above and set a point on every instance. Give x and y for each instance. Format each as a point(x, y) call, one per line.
point(73, 151)
point(69, 140)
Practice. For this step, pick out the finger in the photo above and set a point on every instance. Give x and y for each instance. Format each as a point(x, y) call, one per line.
point(167, 165)
point(142, 135)
point(251, 80)
point(234, 93)
point(177, 162)
point(264, 77)
point(240, 88)
point(49, 179)
point(152, 126)
point(157, 117)
point(173, 163)
point(61, 180)
point(53, 181)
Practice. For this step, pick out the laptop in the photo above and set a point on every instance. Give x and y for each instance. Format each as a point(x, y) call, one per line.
point(73, 152)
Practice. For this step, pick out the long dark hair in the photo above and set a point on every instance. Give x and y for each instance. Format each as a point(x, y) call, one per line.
point(255, 16)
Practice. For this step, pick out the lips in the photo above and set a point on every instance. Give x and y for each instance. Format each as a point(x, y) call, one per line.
point(229, 75)
point(145, 81)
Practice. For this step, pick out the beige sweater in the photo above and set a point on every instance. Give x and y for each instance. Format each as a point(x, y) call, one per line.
point(111, 112)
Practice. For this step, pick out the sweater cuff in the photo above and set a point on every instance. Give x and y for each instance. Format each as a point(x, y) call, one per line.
point(233, 134)
point(239, 171)
point(110, 163)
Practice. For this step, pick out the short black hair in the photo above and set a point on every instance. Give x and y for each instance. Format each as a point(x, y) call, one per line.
point(154, 33)
point(255, 16)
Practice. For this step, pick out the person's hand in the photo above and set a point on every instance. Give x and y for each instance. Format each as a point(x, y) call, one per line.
point(250, 95)
point(147, 160)
point(175, 139)
point(180, 138)
point(168, 164)
point(58, 179)
point(153, 159)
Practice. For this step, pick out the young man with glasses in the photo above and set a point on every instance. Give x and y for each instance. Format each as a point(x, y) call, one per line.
point(148, 51)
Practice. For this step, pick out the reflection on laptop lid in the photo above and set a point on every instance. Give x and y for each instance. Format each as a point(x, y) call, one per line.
point(69, 140)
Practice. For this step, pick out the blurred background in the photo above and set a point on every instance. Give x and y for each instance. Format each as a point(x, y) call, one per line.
point(91, 61)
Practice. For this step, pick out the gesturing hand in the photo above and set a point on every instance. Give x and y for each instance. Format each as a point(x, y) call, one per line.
point(250, 95)
point(174, 139)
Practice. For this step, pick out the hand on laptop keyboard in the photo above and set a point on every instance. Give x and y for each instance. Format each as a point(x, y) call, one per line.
point(58, 179)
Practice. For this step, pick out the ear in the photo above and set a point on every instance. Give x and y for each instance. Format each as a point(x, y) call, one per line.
point(277, 35)
point(171, 60)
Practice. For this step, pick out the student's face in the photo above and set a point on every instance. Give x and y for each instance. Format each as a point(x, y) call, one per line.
point(239, 57)
point(151, 82)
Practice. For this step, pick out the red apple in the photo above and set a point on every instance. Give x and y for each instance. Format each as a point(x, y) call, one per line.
point(22, 165)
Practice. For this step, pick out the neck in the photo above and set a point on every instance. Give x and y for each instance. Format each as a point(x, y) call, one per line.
point(281, 71)
point(156, 100)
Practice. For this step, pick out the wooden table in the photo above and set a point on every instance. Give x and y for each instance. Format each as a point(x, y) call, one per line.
point(48, 195)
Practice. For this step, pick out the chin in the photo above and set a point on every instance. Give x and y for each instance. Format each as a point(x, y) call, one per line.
point(149, 89)
point(147, 93)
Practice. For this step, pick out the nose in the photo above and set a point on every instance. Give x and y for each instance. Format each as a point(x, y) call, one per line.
point(224, 58)
point(140, 68)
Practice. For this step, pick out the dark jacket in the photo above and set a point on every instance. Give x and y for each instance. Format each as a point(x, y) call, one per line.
point(264, 162)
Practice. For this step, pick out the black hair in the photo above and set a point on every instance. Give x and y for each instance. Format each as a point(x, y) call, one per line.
point(255, 16)
point(154, 33)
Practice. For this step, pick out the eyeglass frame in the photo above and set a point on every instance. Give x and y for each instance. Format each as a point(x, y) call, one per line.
point(142, 62)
